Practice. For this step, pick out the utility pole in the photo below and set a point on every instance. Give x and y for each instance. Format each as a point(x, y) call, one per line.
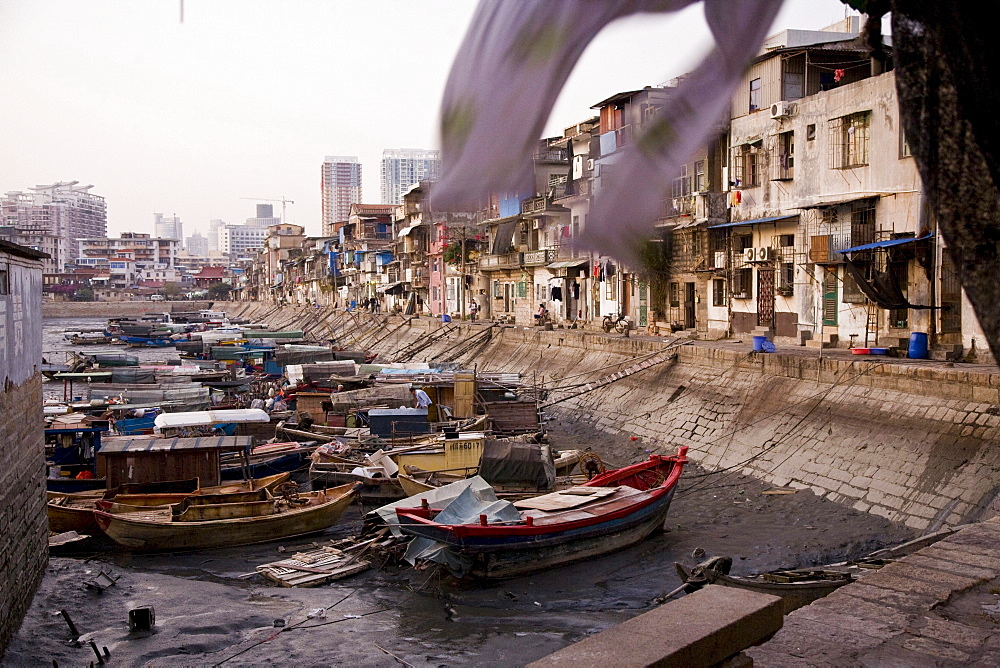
point(461, 277)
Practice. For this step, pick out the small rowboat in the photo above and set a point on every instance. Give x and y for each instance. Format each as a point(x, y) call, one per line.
point(796, 587)
point(238, 524)
point(610, 512)
point(75, 512)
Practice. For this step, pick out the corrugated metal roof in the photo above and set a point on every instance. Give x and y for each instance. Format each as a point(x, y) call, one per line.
point(119, 444)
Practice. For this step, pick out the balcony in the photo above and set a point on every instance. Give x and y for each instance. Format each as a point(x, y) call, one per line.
point(534, 205)
point(538, 257)
point(505, 261)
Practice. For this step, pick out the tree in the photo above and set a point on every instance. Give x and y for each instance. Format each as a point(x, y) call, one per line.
point(84, 294)
point(219, 291)
point(170, 290)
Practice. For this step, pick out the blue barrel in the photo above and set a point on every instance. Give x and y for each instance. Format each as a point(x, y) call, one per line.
point(918, 346)
point(758, 343)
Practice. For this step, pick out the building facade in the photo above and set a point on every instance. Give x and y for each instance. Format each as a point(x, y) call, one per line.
point(403, 168)
point(168, 227)
point(53, 218)
point(341, 187)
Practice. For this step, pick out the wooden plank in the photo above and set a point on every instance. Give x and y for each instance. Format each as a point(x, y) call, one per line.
point(561, 501)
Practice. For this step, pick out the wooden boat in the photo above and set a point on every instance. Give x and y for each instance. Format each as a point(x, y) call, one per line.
point(75, 512)
point(614, 510)
point(796, 588)
point(297, 516)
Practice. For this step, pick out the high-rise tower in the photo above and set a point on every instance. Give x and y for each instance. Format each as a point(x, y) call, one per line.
point(403, 167)
point(341, 186)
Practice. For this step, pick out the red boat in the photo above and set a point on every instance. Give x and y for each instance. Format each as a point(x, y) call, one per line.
point(610, 512)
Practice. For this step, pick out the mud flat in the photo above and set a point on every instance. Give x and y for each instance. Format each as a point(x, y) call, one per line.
point(207, 614)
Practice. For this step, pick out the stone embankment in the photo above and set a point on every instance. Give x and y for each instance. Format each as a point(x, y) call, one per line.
point(913, 441)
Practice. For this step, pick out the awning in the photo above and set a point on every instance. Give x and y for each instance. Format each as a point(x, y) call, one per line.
point(388, 287)
point(406, 230)
point(565, 264)
point(886, 244)
point(846, 198)
point(505, 233)
point(755, 221)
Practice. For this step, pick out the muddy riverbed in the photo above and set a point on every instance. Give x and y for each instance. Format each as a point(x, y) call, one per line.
point(210, 611)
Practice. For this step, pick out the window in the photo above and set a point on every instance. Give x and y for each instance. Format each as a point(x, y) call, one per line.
point(792, 86)
point(755, 94)
point(4, 282)
point(784, 162)
point(741, 241)
point(786, 280)
point(675, 295)
point(718, 292)
point(786, 240)
point(700, 182)
point(682, 184)
point(863, 222)
point(746, 165)
point(849, 140)
point(743, 283)
point(811, 132)
point(904, 146)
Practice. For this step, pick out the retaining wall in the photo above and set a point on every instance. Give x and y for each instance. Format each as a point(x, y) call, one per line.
point(912, 442)
point(24, 548)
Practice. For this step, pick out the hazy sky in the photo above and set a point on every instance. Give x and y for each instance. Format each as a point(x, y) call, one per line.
point(246, 97)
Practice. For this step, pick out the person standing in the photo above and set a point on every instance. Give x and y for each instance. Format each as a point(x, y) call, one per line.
point(473, 310)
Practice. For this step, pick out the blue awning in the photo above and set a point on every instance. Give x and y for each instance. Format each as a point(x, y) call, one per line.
point(755, 221)
point(886, 244)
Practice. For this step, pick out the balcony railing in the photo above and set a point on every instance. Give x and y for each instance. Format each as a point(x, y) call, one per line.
point(506, 261)
point(534, 258)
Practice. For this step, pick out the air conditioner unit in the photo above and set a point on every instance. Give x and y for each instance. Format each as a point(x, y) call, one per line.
point(750, 254)
point(781, 109)
point(590, 164)
point(766, 254)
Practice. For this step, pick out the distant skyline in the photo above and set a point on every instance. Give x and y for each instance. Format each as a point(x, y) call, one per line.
point(245, 98)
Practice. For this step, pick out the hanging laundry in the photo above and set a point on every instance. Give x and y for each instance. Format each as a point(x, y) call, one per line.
point(556, 295)
point(838, 75)
point(609, 270)
point(597, 269)
point(576, 290)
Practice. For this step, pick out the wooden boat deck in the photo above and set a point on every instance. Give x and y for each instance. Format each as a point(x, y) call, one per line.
point(623, 497)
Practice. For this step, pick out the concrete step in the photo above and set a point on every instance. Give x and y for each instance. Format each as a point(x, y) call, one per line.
point(947, 352)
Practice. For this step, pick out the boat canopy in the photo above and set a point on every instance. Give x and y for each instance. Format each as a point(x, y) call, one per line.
point(138, 444)
point(203, 418)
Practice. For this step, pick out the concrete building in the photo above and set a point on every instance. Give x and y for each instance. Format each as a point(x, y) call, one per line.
point(52, 218)
point(341, 187)
point(245, 241)
point(402, 168)
point(132, 258)
point(24, 549)
point(196, 245)
point(168, 228)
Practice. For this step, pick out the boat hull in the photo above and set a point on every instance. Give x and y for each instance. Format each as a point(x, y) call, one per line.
point(369, 489)
point(135, 533)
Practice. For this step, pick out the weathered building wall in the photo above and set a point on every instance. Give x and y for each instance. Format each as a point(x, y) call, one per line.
point(23, 523)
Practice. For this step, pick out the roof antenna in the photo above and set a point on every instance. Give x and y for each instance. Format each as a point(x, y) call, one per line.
point(182, 11)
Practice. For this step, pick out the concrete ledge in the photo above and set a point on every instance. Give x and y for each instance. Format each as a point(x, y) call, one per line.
point(700, 629)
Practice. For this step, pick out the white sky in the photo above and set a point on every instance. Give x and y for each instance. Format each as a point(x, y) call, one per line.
point(246, 97)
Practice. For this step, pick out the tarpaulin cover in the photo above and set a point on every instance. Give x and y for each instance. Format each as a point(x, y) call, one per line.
point(286, 357)
point(466, 508)
point(882, 288)
point(436, 498)
point(517, 462)
point(132, 374)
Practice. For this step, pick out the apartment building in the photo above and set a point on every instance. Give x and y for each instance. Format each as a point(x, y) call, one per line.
point(341, 187)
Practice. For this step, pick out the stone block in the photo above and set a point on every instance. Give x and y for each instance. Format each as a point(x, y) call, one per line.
point(702, 628)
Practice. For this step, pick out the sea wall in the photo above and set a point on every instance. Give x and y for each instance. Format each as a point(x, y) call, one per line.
point(914, 442)
point(60, 309)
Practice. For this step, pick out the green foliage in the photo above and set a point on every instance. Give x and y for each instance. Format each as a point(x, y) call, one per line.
point(84, 294)
point(654, 268)
point(170, 289)
point(219, 291)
